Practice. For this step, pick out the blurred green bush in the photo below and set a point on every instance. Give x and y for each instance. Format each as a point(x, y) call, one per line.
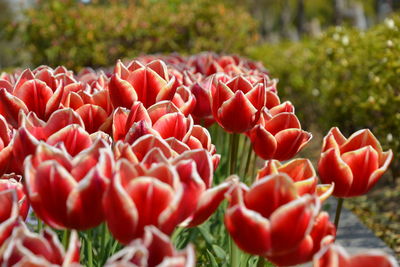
point(345, 78)
point(74, 34)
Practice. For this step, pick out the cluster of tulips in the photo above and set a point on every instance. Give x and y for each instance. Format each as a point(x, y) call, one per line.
point(129, 152)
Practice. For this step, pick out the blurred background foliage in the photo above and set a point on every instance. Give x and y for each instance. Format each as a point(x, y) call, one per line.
point(97, 33)
point(345, 77)
point(337, 60)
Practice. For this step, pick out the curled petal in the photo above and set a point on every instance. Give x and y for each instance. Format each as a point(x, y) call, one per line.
point(362, 162)
point(209, 202)
point(10, 107)
point(264, 143)
point(360, 139)
point(334, 139)
point(281, 122)
point(303, 211)
point(332, 169)
point(324, 191)
point(290, 142)
point(278, 187)
point(250, 231)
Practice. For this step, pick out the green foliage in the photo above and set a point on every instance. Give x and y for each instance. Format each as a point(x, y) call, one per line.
point(76, 34)
point(346, 78)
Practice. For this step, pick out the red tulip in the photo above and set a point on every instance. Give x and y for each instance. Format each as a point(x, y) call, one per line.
point(25, 248)
point(41, 95)
point(310, 245)
point(278, 136)
point(261, 219)
point(236, 95)
point(169, 121)
point(33, 130)
point(333, 255)
point(154, 249)
point(9, 182)
point(163, 196)
point(303, 175)
point(91, 103)
point(6, 146)
point(148, 84)
point(61, 188)
point(124, 120)
point(202, 110)
point(9, 213)
point(184, 100)
point(354, 164)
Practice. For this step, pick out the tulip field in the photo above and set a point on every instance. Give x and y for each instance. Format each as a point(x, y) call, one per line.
point(171, 161)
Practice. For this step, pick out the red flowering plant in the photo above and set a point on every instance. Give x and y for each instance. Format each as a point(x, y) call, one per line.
point(125, 167)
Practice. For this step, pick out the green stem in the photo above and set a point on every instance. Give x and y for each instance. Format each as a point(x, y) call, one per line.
point(234, 144)
point(103, 238)
point(89, 249)
point(248, 160)
point(254, 167)
point(39, 225)
point(338, 211)
point(65, 240)
point(234, 253)
point(233, 155)
point(261, 262)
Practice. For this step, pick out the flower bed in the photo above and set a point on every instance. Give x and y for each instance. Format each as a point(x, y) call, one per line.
point(121, 166)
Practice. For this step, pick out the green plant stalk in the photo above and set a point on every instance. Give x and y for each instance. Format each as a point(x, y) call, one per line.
point(39, 225)
point(89, 249)
point(233, 249)
point(66, 236)
point(338, 211)
point(248, 160)
point(261, 261)
point(103, 239)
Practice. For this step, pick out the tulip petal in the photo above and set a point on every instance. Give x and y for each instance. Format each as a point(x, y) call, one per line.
point(277, 188)
point(35, 95)
point(59, 119)
point(257, 96)
point(290, 142)
point(122, 93)
point(263, 143)
point(387, 157)
point(93, 116)
point(362, 162)
point(250, 231)
point(302, 211)
point(121, 221)
point(10, 107)
point(208, 203)
point(73, 137)
point(332, 169)
point(151, 198)
point(172, 125)
point(298, 169)
point(145, 143)
point(233, 121)
point(82, 214)
point(221, 94)
point(360, 139)
point(49, 193)
point(120, 117)
point(324, 191)
point(334, 139)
